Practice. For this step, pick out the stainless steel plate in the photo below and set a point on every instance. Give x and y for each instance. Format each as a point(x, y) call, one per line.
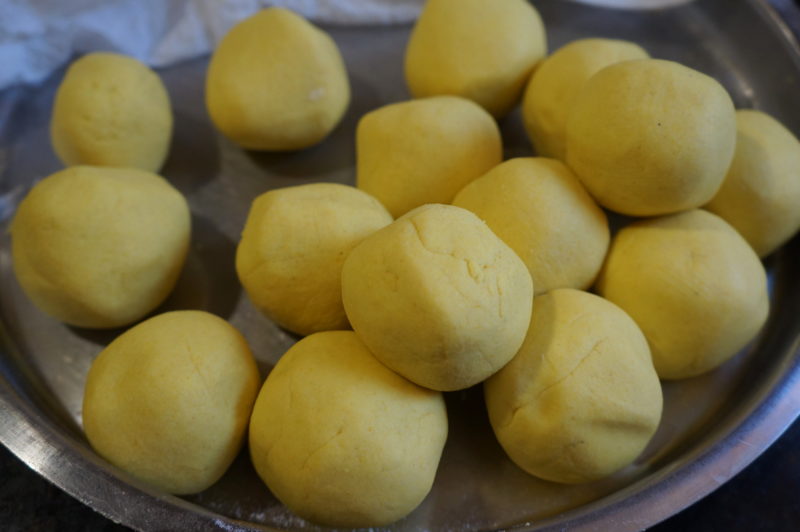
point(713, 425)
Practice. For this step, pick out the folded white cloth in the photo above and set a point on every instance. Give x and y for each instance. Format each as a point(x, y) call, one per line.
point(38, 36)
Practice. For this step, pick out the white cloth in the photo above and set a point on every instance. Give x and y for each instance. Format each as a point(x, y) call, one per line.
point(38, 36)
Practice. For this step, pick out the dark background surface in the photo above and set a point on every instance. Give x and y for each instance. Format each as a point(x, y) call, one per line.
point(765, 496)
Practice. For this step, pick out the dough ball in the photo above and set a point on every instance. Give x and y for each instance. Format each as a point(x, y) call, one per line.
point(484, 51)
point(342, 440)
point(168, 400)
point(111, 110)
point(694, 286)
point(539, 208)
point(424, 151)
point(276, 82)
point(581, 399)
point(556, 82)
point(438, 298)
point(100, 247)
point(649, 137)
point(292, 250)
point(760, 196)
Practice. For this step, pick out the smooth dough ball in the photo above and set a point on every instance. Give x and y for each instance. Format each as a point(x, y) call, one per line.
point(438, 298)
point(539, 208)
point(292, 250)
point(649, 137)
point(276, 82)
point(424, 151)
point(100, 247)
point(342, 440)
point(760, 196)
point(556, 82)
point(484, 51)
point(693, 285)
point(168, 401)
point(111, 110)
point(581, 399)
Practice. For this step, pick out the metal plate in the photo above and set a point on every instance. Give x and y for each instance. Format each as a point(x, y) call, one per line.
point(712, 427)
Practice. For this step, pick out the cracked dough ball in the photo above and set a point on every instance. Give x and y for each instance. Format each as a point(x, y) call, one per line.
point(342, 440)
point(539, 208)
point(650, 137)
point(292, 250)
point(100, 247)
point(111, 110)
point(168, 401)
point(581, 399)
point(693, 285)
point(761, 193)
point(484, 51)
point(276, 82)
point(438, 298)
point(424, 151)
point(556, 82)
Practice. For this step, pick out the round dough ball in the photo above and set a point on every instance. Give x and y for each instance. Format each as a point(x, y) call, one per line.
point(556, 82)
point(693, 285)
point(100, 247)
point(276, 82)
point(342, 440)
point(168, 401)
point(111, 110)
point(484, 51)
point(424, 151)
point(581, 399)
point(539, 208)
point(292, 250)
point(760, 196)
point(438, 298)
point(649, 137)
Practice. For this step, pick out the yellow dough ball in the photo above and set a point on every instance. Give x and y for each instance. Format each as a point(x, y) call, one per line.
point(111, 110)
point(693, 285)
point(342, 440)
point(292, 250)
point(539, 208)
point(649, 137)
point(100, 247)
point(581, 399)
point(556, 82)
point(424, 151)
point(760, 196)
point(484, 51)
point(168, 401)
point(276, 82)
point(438, 298)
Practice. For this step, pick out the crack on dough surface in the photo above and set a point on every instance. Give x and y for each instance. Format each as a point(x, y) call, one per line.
point(475, 271)
point(594, 349)
point(323, 445)
point(451, 254)
point(499, 288)
point(515, 410)
point(193, 360)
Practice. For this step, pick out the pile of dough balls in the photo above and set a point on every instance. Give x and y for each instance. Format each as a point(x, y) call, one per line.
point(443, 296)
point(442, 268)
